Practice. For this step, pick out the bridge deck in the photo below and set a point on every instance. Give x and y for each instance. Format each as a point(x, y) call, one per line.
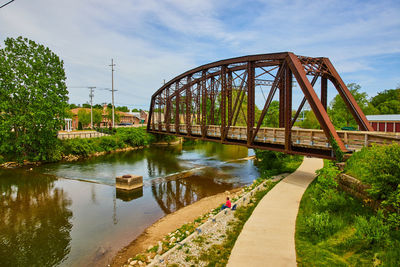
point(304, 138)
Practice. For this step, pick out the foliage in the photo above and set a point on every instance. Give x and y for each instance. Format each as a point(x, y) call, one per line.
point(320, 224)
point(272, 163)
point(310, 121)
point(117, 116)
point(122, 109)
point(124, 137)
point(134, 136)
point(84, 117)
point(379, 166)
point(33, 100)
point(135, 110)
point(272, 117)
point(387, 102)
point(332, 228)
point(372, 230)
point(339, 113)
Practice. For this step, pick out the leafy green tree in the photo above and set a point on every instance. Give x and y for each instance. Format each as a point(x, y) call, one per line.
point(135, 110)
point(340, 114)
point(310, 121)
point(387, 102)
point(123, 109)
point(271, 119)
point(97, 116)
point(33, 100)
point(72, 106)
point(116, 115)
point(98, 106)
point(84, 117)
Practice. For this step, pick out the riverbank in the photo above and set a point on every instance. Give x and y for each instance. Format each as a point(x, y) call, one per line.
point(124, 139)
point(169, 223)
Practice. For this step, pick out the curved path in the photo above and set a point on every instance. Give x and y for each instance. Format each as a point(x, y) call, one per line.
point(267, 238)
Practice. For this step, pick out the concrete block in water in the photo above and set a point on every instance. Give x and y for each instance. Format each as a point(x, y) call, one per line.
point(128, 182)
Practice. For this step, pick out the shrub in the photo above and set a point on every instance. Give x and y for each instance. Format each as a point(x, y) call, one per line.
point(320, 225)
point(78, 146)
point(272, 163)
point(330, 199)
point(379, 166)
point(373, 231)
point(134, 136)
point(109, 143)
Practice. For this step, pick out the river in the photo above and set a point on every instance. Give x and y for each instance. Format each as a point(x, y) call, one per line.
point(70, 214)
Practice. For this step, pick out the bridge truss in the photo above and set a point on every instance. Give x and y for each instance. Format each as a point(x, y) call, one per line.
point(213, 101)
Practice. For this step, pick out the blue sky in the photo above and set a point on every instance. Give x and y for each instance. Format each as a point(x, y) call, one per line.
point(155, 40)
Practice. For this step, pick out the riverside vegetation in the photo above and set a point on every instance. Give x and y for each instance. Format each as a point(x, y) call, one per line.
point(83, 147)
point(334, 228)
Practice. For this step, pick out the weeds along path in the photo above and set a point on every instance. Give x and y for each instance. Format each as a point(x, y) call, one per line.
point(268, 237)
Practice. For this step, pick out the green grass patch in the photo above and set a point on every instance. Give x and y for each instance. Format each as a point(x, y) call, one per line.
point(335, 229)
point(272, 163)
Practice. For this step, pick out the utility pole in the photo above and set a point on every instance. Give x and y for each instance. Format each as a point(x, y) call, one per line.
point(112, 90)
point(91, 104)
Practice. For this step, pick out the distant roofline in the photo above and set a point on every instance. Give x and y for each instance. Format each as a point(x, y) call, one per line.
point(386, 117)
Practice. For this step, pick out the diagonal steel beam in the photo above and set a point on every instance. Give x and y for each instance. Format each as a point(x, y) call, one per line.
point(315, 103)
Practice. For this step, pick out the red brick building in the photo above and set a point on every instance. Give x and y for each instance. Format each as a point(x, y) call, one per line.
point(124, 118)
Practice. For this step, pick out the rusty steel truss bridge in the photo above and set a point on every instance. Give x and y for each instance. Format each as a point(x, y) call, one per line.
point(216, 102)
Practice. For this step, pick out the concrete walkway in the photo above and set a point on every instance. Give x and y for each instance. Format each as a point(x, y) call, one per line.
point(267, 238)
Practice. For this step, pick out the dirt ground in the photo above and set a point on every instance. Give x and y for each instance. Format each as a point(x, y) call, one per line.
point(167, 224)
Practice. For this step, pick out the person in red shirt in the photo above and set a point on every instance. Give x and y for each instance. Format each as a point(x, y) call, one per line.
point(228, 204)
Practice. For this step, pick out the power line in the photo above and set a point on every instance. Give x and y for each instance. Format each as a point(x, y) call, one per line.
point(7, 3)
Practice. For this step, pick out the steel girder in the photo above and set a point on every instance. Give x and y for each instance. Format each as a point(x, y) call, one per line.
point(223, 93)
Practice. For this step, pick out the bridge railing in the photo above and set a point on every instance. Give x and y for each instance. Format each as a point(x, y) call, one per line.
point(353, 140)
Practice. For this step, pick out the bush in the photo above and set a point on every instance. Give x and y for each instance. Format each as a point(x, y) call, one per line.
point(379, 166)
point(330, 199)
point(78, 146)
point(109, 143)
point(273, 163)
point(320, 225)
point(134, 136)
point(373, 231)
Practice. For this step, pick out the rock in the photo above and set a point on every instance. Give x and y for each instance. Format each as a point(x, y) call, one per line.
point(149, 258)
point(150, 247)
point(140, 263)
point(227, 193)
point(132, 263)
point(187, 233)
point(179, 239)
point(173, 239)
point(129, 260)
point(160, 248)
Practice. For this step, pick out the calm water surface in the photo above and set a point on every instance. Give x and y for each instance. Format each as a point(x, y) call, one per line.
point(69, 214)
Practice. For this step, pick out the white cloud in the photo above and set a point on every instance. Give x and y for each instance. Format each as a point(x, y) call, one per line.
point(155, 40)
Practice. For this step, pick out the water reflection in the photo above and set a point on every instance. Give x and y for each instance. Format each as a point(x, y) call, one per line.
point(127, 196)
point(35, 220)
point(172, 195)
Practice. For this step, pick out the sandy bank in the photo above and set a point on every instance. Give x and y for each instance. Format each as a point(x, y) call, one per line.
point(167, 224)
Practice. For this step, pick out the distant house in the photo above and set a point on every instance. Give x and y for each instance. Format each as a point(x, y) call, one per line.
point(142, 116)
point(385, 123)
point(124, 118)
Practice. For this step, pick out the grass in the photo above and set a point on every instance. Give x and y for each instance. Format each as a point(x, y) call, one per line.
point(347, 234)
